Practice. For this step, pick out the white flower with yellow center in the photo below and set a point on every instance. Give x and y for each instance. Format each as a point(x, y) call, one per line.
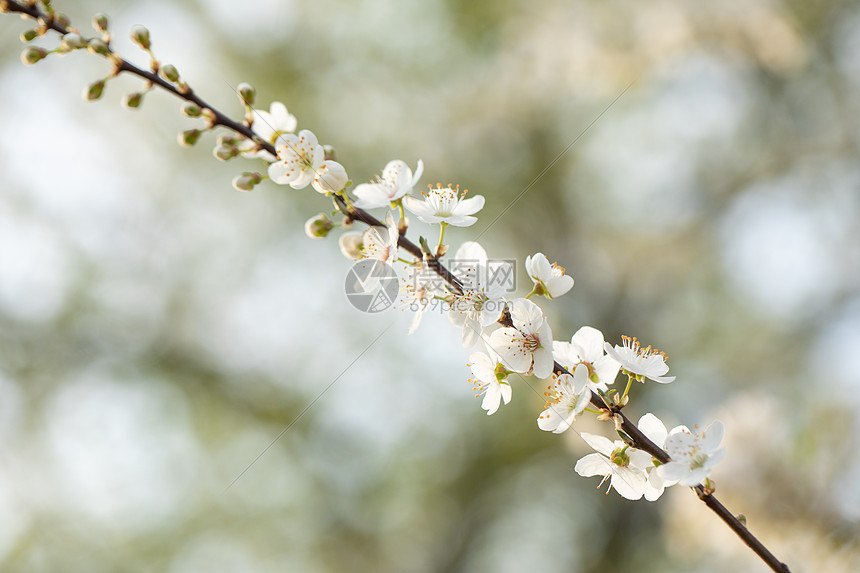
point(550, 280)
point(269, 125)
point(586, 347)
point(491, 380)
point(638, 362)
point(527, 345)
point(445, 205)
point(693, 454)
point(566, 399)
point(623, 465)
point(480, 303)
point(299, 159)
point(382, 245)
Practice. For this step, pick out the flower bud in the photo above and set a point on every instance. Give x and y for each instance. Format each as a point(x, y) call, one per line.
point(97, 46)
point(330, 178)
point(318, 227)
point(73, 41)
point(190, 109)
point(246, 181)
point(33, 54)
point(94, 90)
point(227, 140)
point(132, 100)
point(189, 137)
point(208, 115)
point(169, 73)
point(351, 244)
point(100, 23)
point(224, 153)
point(247, 93)
point(140, 36)
point(29, 35)
point(62, 19)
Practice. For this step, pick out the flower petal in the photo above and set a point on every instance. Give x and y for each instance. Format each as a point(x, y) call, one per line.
point(593, 465)
point(588, 344)
point(598, 443)
point(712, 436)
point(653, 428)
point(469, 206)
point(629, 483)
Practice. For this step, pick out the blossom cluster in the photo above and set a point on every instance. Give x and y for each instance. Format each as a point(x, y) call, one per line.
point(510, 336)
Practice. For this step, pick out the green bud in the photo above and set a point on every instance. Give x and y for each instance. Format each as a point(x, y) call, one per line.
point(190, 109)
point(100, 23)
point(318, 227)
point(140, 36)
point(62, 19)
point(97, 46)
point(73, 41)
point(246, 181)
point(189, 137)
point(330, 153)
point(169, 73)
point(29, 35)
point(33, 54)
point(94, 90)
point(247, 93)
point(132, 100)
point(223, 153)
point(227, 140)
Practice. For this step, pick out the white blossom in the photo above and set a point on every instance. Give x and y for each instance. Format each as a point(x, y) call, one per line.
point(481, 302)
point(382, 245)
point(586, 347)
point(299, 159)
point(640, 362)
point(527, 345)
point(269, 125)
point(693, 454)
point(330, 177)
point(623, 465)
point(491, 379)
point(445, 205)
point(421, 292)
point(567, 398)
point(549, 279)
point(396, 181)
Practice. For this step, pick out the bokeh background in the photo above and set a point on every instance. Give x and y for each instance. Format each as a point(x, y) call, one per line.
point(161, 333)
